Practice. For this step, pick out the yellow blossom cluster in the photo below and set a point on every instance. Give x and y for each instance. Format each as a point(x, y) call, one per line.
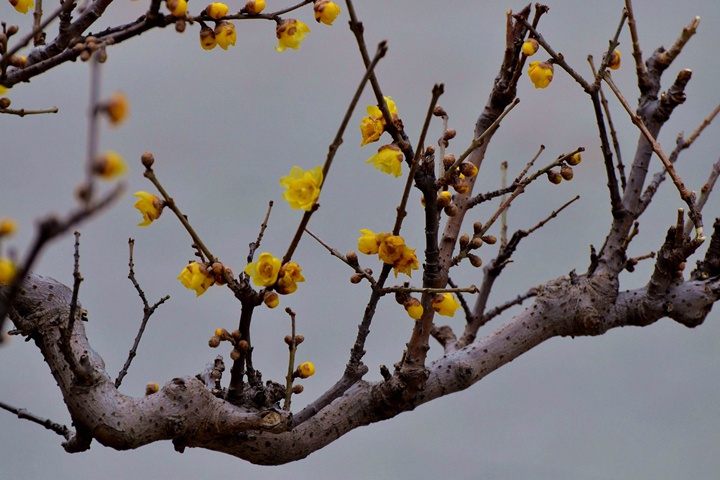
point(302, 188)
point(372, 126)
point(268, 271)
point(390, 249)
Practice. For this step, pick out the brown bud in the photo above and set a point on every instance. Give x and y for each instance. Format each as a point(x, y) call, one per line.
point(352, 258)
point(477, 227)
point(299, 338)
point(217, 268)
point(475, 261)
point(489, 239)
point(214, 341)
point(297, 389)
point(444, 199)
point(464, 240)
point(438, 111)
point(4, 102)
point(554, 177)
point(451, 210)
point(151, 388)
point(79, 47)
point(243, 345)
point(566, 172)
point(449, 134)
point(430, 150)
point(448, 160)
point(12, 30)
point(83, 192)
point(461, 186)
point(101, 55)
point(271, 299)
point(476, 242)
point(288, 340)
point(85, 55)
point(147, 160)
point(356, 278)
point(17, 61)
point(236, 335)
point(468, 169)
point(234, 355)
point(180, 26)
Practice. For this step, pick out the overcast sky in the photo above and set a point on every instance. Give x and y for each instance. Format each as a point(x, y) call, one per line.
point(224, 126)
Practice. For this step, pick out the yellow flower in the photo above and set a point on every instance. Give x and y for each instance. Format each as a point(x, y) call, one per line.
point(225, 34)
point(253, 7)
point(217, 10)
point(177, 7)
point(530, 46)
point(541, 74)
point(22, 6)
point(117, 107)
point(288, 277)
point(8, 226)
point(305, 370)
point(445, 304)
point(151, 388)
point(195, 276)
point(302, 187)
point(368, 243)
point(150, 206)
point(406, 263)
point(290, 34)
point(574, 160)
point(265, 271)
point(391, 248)
point(3, 90)
point(207, 38)
point(388, 160)
point(271, 299)
point(109, 165)
point(614, 62)
point(326, 12)
point(372, 126)
point(7, 271)
point(413, 308)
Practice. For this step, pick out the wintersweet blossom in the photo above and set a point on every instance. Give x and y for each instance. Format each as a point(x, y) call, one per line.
point(445, 304)
point(288, 277)
point(7, 271)
point(195, 276)
point(368, 242)
point(372, 126)
point(109, 165)
point(325, 11)
point(225, 34)
point(150, 207)
point(8, 226)
point(253, 7)
point(614, 62)
point(530, 47)
point(290, 34)
point(22, 6)
point(217, 10)
point(305, 370)
point(207, 38)
point(177, 7)
point(264, 272)
point(391, 248)
point(117, 108)
point(541, 74)
point(388, 160)
point(407, 262)
point(302, 188)
point(413, 308)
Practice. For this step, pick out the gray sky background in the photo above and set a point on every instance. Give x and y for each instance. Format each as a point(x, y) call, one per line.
point(224, 126)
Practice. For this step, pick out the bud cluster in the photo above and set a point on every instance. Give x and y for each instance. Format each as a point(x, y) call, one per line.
point(566, 171)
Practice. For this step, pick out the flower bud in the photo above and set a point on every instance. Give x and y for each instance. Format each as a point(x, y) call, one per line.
point(468, 169)
point(448, 160)
point(271, 299)
point(477, 227)
point(304, 370)
point(444, 199)
point(180, 25)
point(438, 111)
point(222, 333)
point(236, 335)
point(151, 388)
point(234, 355)
point(461, 187)
point(297, 389)
point(464, 240)
point(451, 210)
point(288, 340)
point(413, 308)
point(475, 261)
point(475, 243)
point(566, 172)
point(449, 134)
point(214, 341)
point(574, 159)
point(356, 278)
point(147, 160)
point(614, 61)
point(554, 177)
point(4, 102)
point(299, 338)
point(12, 30)
point(18, 61)
point(489, 239)
point(352, 258)
point(530, 47)
point(430, 150)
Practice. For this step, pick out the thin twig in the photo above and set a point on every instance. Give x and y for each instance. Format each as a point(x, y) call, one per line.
point(640, 69)
point(705, 193)
point(494, 312)
point(292, 346)
point(22, 112)
point(21, 413)
point(503, 216)
point(342, 257)
point(254, 245)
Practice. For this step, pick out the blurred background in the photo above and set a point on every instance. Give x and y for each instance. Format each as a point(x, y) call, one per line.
point(224, 126)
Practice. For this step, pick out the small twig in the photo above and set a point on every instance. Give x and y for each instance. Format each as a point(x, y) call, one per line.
point(336, 253)
point(553, 214)
point(461, 298)
point(705, 193)
point(39, 38)
point(666, 58)
point(612, 45)
point(503, 216)
point(147, 313)
point(640, 69)
point(494, 312)
point(254, 245)
point(66, 6)
point(93, 136)
point(22, 112)
point(292, 346)
point(685, 194)
point(21, 413)
point(470, 289)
